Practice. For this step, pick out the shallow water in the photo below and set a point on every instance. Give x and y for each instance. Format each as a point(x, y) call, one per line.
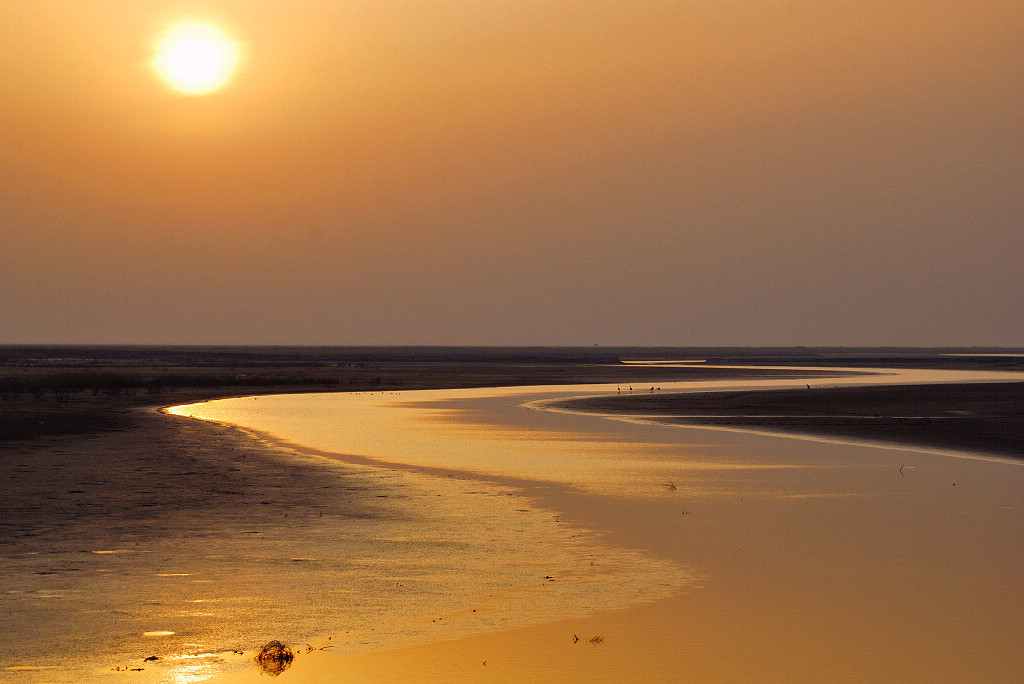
point(510, 432)
point(801, 546)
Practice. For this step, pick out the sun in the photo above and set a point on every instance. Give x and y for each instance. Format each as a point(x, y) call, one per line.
point(195, 58)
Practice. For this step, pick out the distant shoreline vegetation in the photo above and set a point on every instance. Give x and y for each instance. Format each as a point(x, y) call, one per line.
point(66, 371)
point(60, 389)
point(64, 386)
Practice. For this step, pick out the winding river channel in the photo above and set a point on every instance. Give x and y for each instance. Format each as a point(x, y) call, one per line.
point(712, 553)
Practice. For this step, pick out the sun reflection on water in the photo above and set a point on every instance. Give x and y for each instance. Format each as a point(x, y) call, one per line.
point(188, 671)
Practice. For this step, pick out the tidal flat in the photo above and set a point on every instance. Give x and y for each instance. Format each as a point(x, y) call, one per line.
point(663, 552)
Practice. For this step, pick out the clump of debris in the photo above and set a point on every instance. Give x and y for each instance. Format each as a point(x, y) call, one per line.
point(274, 658)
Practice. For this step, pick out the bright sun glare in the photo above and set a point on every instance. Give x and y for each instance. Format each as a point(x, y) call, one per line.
point(195, 58)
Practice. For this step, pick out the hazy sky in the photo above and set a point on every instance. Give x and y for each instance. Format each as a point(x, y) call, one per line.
point(517, 172)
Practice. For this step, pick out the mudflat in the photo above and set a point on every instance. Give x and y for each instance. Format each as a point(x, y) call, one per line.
point(108, 500)
point(980, 417)
point(107, 495)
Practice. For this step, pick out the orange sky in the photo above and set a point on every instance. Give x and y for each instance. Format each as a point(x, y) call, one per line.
point(529, 172)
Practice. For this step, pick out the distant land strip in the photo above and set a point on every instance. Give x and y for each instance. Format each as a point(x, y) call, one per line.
point(46, 391)
point(981, 417)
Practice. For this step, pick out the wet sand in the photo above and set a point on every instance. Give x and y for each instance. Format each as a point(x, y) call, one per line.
point(114, 536)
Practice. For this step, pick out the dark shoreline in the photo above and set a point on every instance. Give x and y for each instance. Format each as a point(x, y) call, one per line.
point(81, 390)
point(977, 417)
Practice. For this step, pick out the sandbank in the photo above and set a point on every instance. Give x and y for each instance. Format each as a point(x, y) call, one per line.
point(978, 417)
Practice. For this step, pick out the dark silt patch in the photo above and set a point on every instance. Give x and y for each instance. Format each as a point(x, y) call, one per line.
point(984, 417)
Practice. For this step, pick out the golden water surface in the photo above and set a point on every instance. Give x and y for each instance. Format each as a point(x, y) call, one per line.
point(793, 559)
